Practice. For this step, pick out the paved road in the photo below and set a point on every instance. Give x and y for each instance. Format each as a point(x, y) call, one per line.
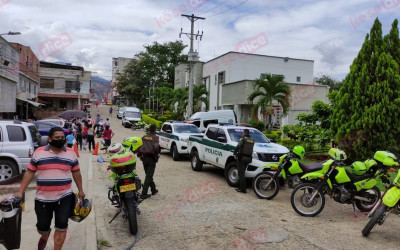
point(198, 210)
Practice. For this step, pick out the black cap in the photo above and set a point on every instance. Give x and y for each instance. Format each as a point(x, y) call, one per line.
point(153, 128)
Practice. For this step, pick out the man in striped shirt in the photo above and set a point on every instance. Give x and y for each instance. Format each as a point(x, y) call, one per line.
point(54, 165)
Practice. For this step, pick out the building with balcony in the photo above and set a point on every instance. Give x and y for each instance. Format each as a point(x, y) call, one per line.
point(9, 78)
point(62, 86)
point(28, 84)
point(118, 67)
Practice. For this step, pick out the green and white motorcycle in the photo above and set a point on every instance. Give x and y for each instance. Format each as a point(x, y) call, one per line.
point(390, 198)
point(266, 184)
point(337, 181)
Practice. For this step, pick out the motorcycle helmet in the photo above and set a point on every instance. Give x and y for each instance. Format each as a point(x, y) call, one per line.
point(81, 209)
point(123, 163)
point(358, 168)
point(132, 143)
point(299, 151)
point(115, 148)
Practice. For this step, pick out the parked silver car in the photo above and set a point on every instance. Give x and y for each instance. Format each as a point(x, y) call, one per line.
point(18, 140)
point(121, 111)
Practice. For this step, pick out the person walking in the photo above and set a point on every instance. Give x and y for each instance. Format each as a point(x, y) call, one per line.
point(55, 166)
point(107, 135)
point(90, 137)
point(78, 135)
point(149, 153)
point(243, 154)
point(111, 110)
point(70, 139)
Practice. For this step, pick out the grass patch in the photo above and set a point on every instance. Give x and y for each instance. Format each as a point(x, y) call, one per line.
point(103, 243)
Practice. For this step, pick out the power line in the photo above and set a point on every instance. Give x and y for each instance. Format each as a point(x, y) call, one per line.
point(213, 8)
point(229, 9)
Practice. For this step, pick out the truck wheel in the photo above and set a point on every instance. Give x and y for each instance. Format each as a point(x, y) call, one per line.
point(8, 170)
point(232, 174)
point(174, 153)
point(197, 165)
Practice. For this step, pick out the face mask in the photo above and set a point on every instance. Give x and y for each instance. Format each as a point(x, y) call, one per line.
point(57, 143)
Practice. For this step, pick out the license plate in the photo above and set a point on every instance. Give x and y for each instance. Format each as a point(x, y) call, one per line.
point(126, 188)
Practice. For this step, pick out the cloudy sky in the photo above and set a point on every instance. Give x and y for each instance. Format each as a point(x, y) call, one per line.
point(92, 32)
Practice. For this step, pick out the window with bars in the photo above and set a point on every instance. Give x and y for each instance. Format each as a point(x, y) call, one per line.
point(47, 83)
point(221, 77)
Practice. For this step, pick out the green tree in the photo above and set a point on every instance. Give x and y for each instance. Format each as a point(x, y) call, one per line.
point(200, 96)
point(392, 42)
point(365, 112)
point(165, 97)
point(269, 89)
point(180, 99)
point(328, 81)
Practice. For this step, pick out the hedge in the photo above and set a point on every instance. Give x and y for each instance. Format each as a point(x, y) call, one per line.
point(274, 135)
point(150, 120)
point(289, 143)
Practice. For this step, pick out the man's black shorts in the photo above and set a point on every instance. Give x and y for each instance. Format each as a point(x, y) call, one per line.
point(62, 210)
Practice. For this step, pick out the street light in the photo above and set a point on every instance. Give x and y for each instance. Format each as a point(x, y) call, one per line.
point(10, 33)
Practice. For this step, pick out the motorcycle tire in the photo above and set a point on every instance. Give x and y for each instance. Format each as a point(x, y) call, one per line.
point(264, 178)
point(131, 209)
point(361, 204)
point(309, 187)
point(374, 220)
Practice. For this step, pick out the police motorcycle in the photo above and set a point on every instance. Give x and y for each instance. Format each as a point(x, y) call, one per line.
point(354, 185)
point(10, 223)
point(266, 184)
point(124, 194)
point(390, 201)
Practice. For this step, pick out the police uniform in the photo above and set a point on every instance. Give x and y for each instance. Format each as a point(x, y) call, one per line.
point(149, 155)
point(244, 151)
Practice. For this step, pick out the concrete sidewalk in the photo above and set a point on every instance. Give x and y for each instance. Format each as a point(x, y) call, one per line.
point(80, 235)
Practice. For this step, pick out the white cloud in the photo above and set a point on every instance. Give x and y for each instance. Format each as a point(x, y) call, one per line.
point(101, 29)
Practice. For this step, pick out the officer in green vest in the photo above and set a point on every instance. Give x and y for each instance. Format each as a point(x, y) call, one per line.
point(243, 154)
point(149, 154)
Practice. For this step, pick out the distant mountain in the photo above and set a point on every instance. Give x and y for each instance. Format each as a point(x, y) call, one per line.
point(101, 81)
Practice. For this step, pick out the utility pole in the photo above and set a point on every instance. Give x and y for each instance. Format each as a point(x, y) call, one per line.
point(192, 57)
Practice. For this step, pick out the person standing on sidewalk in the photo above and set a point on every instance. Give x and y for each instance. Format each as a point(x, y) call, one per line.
point(79, 134)
point(149, 154)
point(107, 135)
point(111, 110)
point(70, 139)
point(243, 153)
point(90, 137)
point(55, 166)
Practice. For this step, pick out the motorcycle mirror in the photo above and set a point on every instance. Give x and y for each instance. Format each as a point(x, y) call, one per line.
point(100, 160)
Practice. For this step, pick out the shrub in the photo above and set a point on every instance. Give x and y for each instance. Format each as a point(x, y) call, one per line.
point(257, 124)
point(147, 119)
point(290, 143)
point(274, 135)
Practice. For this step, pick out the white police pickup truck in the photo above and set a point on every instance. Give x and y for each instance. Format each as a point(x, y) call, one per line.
point(216, 147)
point(174, 137)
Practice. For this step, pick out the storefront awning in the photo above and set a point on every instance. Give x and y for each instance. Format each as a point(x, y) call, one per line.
point(36, 104)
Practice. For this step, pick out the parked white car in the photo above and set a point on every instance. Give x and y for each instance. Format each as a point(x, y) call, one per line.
point(216, 147)
point(174, 136)
point(203, 119)
point(120, 112)
point(131, 115)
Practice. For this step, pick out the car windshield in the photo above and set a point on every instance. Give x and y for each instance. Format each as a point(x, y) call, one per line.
point(236, 133)
point(132, 114)
point(186, 129)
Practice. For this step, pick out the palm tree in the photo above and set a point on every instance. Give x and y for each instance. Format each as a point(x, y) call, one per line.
point(270, 88)
point(180, 96)
point(200, 95)
point(165, 95)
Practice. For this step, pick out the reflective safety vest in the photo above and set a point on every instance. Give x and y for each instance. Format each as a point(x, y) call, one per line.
point(247, 148)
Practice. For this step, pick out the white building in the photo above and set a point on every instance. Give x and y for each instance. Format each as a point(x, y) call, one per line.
point(230, 80)
point(118, 67)
point(9, 77)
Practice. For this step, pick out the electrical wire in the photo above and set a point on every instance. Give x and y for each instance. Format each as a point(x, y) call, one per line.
point(229, 9)
point(213, 8)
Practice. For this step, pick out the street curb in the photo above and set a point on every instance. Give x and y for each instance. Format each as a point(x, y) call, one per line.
point(91, 231)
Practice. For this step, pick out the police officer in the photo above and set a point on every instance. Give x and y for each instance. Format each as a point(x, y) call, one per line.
point(149, 154)
point(243, 152)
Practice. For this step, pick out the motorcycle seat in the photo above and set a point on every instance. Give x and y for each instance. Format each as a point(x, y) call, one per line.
point(357, 178)
point(312, 167)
